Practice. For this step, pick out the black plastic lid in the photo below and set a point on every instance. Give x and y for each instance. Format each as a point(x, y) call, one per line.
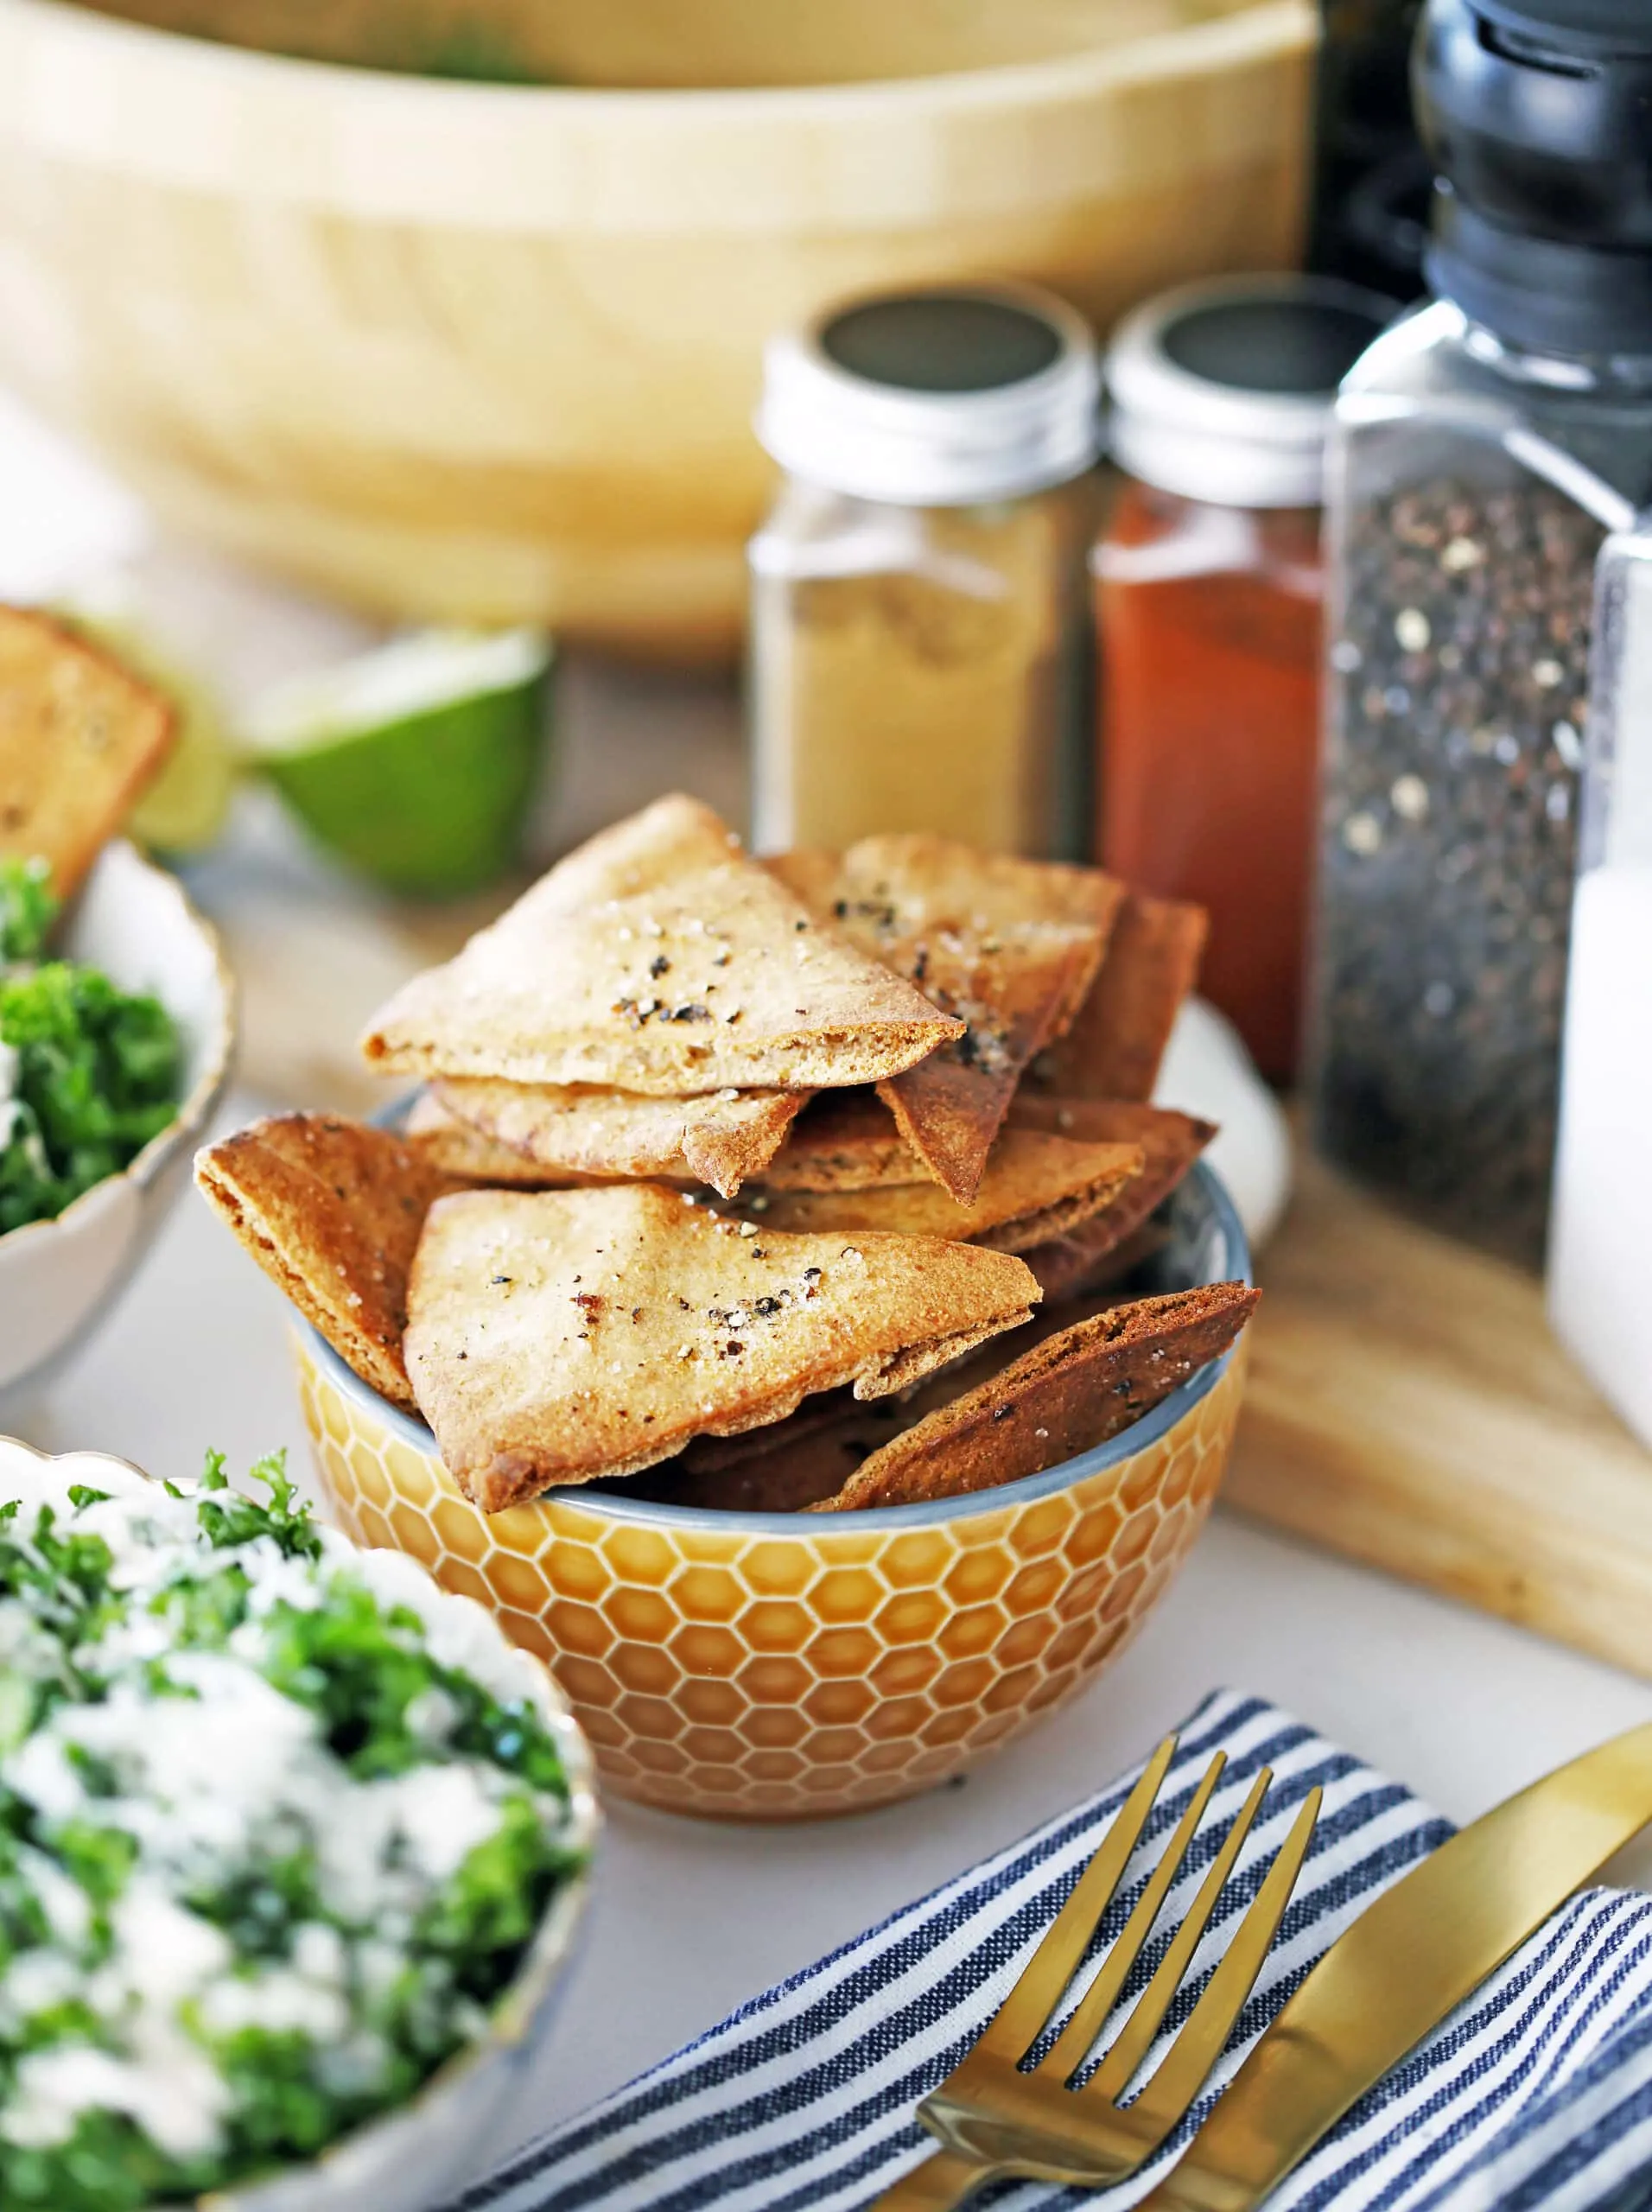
point(1538, 117)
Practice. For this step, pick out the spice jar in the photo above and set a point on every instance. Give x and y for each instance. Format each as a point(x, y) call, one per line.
point(1481, 450)
point(919, 655)
point(1602, 1177)
point(1208, 593)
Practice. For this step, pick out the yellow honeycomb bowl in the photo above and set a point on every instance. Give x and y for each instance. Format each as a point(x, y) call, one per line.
point(786, 1666)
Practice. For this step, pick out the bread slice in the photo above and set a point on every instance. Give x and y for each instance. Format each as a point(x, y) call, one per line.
point(1066, 1396)
point(1114, 1047)
point(659, 959)
point(576, 1130)
point(553, 1339)
point(842, 1141)
point(468, 1156)
point(331, 1209)
point(80, 738)
point(1072, 1263)
point(1010, 946)
point(1037, 1187)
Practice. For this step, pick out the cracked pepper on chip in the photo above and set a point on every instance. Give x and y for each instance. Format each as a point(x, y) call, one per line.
point(556, 1337)
point(660, 958)
point(1011, 947)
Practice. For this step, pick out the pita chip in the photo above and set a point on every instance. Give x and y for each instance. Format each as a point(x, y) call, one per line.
point(80, 738)
point(468, 1156)
point(1113, 1234)
point(1114, 1046)
point(660, 958)
point(556, 1337)
point(331, 1209)
point(842, 1141)
point(721, 1137)
point(1066, 1396)
point(1037, 1186)
point(1011, 947)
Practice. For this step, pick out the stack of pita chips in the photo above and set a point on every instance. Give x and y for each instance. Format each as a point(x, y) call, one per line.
point(914, 1075)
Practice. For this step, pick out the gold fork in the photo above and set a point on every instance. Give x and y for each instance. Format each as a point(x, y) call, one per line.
point(998, 2120)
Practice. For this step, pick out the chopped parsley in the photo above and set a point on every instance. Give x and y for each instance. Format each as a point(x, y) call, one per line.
point(88, 1073)
point(276, 1830)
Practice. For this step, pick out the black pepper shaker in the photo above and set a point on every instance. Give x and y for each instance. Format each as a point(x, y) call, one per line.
point(1482, 448)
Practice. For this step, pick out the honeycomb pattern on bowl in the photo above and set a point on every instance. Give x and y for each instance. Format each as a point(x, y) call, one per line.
point(731, 1671)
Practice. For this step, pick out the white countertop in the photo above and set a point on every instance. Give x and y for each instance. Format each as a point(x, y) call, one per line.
point(690, 1919)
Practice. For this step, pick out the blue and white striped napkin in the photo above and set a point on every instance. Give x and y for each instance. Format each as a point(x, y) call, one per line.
point(1536, 2093)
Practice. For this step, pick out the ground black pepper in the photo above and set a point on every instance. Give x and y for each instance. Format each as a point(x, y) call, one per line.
point(1448, 847)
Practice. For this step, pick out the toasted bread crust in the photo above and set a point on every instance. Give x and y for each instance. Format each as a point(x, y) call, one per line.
point(659, 959)
point(1114, 1047)
point(80, 737)
point(332, 1210)
point(1074, 1259)
point(720, 1138)
point(556, 1337)
point(1066, 1396)
point(1011, 946)
point(1037, 1186)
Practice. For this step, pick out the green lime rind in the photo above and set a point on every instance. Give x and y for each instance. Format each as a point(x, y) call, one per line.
point(430, 802)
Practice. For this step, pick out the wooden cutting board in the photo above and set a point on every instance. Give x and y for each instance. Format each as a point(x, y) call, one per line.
point(1407, 1405)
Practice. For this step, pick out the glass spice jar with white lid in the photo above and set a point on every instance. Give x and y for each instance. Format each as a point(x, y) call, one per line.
point(920, 623)
point(1481, 451)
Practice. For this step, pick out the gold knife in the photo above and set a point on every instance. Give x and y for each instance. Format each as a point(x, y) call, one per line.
point(1406, 1961)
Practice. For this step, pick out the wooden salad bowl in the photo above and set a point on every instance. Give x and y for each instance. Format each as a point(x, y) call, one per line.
point(489, 350)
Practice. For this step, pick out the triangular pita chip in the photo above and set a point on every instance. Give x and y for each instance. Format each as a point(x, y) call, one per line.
point(1066, 1396)
point(331, 1209)
point(1010, 946)
point(1037, 1187)
point(842, 1141)
point(557, 1338)
point(721, 1137)
point(80, 738)
point(658, 959)
point(468, 1156)
point(1171, 1142)
point(1114, 1046)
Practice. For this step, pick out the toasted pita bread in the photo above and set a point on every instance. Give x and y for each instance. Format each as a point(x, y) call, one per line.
point(1077, 1261)
point(842, 1141)
point(78, 739)
point(1114, 1046)
point(576, 1333)
point(468, 1156)
point(331, 1209)
point(1070, 1269)
point(720, 1138)
point(1011, 946)
point(1038, 1186)
point(1066, 1396)
point(659, 959)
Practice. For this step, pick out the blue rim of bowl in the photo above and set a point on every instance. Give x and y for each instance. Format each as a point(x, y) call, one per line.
point(1232, 1248)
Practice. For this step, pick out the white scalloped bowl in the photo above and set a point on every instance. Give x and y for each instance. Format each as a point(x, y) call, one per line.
point(58, 1278)
point(436, 2142)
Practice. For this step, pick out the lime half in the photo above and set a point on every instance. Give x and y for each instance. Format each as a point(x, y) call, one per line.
point(416, 762)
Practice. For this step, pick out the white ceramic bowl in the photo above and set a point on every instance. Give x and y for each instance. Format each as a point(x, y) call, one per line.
point(132, 921)
point(437, 2141)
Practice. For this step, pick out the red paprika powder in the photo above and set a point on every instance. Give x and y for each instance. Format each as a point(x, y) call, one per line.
point(1208, 587)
